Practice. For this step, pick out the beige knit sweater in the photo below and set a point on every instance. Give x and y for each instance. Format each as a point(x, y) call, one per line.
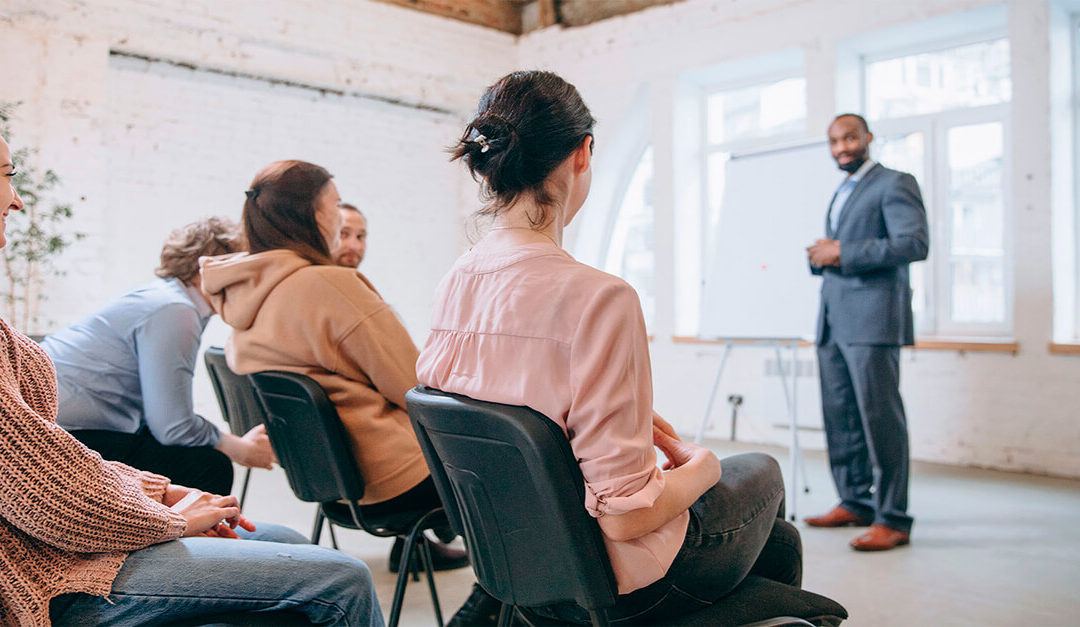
point(67, 518)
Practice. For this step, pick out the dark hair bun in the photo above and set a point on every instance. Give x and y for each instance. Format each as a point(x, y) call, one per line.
point(496, 154)
point(526, 125)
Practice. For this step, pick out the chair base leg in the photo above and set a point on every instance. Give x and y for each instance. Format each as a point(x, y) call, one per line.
point(316, 532)
point(333, 536)
point(243, 490)
point(505, 615)
point(599, 618)
point(429, 568)
point(415, 534)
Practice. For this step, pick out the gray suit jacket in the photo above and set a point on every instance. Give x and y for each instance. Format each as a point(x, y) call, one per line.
point(882, 229)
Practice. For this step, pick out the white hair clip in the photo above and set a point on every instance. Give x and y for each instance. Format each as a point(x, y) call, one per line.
point(484, 146)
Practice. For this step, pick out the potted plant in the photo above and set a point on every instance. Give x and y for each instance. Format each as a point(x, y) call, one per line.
point(35, 236)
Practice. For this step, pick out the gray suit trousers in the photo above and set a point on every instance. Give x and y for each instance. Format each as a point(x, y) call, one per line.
point(866, 429)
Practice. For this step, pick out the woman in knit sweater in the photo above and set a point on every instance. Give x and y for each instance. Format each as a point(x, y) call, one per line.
point(85, 541)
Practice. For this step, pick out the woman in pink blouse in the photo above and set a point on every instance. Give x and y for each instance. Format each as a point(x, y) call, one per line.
point(519, 321)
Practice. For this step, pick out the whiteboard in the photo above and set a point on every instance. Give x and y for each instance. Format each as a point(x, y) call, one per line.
point(758, 283)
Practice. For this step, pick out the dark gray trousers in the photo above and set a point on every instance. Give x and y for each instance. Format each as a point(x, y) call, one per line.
point(736, 529)
point(866, 429)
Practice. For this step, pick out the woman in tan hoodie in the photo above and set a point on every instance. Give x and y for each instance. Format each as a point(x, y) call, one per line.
point(291, 308)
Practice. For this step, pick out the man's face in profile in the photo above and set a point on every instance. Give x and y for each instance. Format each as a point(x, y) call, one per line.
point(353, 239)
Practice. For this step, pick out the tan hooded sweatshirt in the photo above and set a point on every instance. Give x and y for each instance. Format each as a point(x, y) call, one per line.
point(329, 323)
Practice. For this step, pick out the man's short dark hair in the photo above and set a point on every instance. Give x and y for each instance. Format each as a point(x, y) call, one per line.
point(347, 207)
point(856, 116)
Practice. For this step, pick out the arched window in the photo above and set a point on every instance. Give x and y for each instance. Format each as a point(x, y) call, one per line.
point(630, 245)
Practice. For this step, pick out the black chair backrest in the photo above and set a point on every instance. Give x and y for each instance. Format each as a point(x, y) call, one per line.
point(512, 487)
point(235, 396)
point(308, 437)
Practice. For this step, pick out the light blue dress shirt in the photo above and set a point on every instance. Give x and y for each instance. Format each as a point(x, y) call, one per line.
point(131, 364)
point(844, 192)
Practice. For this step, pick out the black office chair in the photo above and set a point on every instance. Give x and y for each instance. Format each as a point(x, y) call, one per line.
point(513, 489)
point(236, 398)
point(242, 411)
point(313, 447)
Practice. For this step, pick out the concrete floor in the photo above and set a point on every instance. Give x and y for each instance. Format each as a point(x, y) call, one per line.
point(988, 548)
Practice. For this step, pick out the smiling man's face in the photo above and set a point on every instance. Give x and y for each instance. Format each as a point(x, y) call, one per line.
point(849, 142)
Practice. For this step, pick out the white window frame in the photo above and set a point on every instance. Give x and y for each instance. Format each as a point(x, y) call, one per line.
point(1074, 33)
point(1064, 31)
point(935, 127)
point(626, 177)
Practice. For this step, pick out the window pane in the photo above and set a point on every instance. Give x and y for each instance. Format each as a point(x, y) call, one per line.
point(907, 153)
point(978, 292)
point(976, 203)
point(630, 254)
point(774, 108)
point(716, 166)
point(975, 192)
point(965, 76)
point(920, 298)
point(1075, 265)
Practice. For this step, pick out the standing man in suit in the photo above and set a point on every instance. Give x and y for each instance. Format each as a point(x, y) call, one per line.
point(876, 226)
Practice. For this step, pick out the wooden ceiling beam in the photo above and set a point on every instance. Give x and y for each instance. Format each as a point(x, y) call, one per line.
point(582, 12)
point(520, 16)
point(497, 14)
point(538, 14)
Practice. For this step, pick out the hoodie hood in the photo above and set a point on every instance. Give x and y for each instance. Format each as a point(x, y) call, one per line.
point(237, 284)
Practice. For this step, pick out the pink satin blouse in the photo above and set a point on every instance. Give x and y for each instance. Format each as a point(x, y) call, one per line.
point(530, 325)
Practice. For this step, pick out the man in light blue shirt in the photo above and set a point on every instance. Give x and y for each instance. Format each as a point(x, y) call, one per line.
point(124, 373)
point(844, 191)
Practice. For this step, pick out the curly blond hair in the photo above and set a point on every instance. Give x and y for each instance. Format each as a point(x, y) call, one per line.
point(207, 237)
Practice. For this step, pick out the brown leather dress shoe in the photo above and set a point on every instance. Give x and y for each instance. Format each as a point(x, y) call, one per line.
point(880, 538)
point(837, 517)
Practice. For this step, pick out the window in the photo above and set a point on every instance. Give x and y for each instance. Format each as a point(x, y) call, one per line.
point(757, 113)
point(1075, 175)
point(745, 118)
point(1064, 119)
point(773, 108)
point(941, 114)
point(931, 82)
point(630, 253)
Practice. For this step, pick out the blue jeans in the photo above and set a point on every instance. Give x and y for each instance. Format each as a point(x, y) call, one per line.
point(736, 529)
point(272, 569)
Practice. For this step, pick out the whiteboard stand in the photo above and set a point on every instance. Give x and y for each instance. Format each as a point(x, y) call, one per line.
point(796, 463)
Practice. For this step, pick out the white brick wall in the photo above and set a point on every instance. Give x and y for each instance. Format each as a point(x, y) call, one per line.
point(184, 144)
point(145, 147)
